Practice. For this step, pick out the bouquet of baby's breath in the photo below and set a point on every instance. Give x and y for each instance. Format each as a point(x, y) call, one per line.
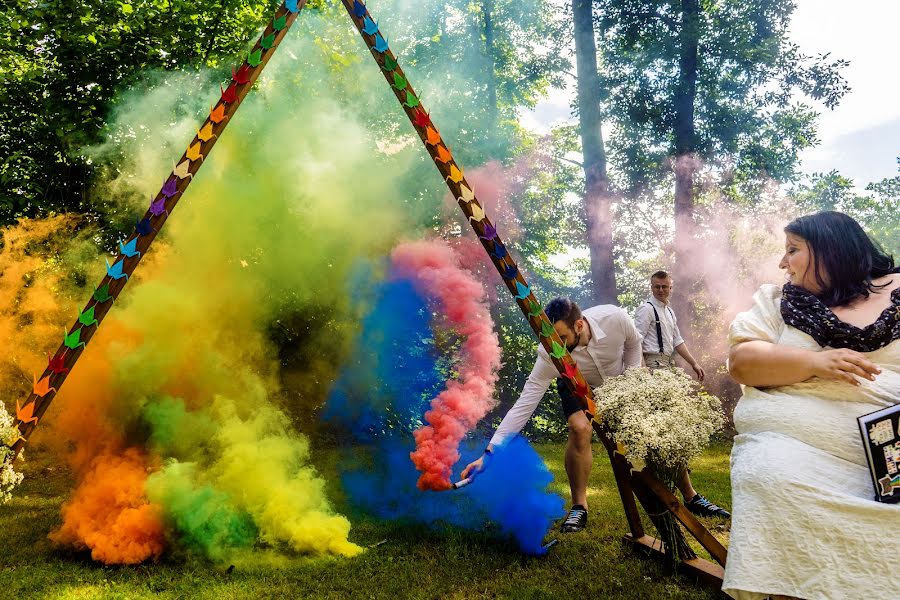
point(664, 419)
point(9, 433)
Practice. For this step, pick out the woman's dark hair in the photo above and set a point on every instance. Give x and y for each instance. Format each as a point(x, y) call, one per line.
point(842, 250)
point(563, 309)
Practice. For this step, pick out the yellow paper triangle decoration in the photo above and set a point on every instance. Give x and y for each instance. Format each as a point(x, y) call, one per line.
point(456, 175)
point(206, 133)
point(193, 153)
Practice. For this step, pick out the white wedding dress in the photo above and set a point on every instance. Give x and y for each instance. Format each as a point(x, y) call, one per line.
point(804, 520)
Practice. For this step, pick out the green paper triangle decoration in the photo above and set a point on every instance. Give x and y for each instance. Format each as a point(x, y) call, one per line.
point(87, 317)
point(546, 329)
point(101, 294)
point(255, 58)
point(557, 350)
point(73, 340)
point(411, 100)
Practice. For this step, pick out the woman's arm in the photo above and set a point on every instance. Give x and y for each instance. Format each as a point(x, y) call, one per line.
point(764, 364)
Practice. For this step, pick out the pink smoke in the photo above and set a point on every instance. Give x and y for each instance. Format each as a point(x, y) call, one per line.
point(498, 188)
point(435, 270)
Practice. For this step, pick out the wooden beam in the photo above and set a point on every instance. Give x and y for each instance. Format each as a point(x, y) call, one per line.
point(707, 573)
point(622, 472)
point(690, 522)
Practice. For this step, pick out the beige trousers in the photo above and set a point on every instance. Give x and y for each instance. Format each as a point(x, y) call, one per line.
point(655, 360)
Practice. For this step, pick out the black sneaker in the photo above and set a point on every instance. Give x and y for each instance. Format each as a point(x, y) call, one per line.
point(575, 521)
point(702, 507)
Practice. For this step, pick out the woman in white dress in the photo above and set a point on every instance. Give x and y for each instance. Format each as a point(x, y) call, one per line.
point(812, 357)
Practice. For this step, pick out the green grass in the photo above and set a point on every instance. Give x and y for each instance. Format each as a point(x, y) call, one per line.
point(410, 563)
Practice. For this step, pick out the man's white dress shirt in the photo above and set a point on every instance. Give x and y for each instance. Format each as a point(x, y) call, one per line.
point(646, 326)
point(615, 345)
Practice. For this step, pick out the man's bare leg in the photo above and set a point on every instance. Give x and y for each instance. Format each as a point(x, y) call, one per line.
point(579, 457)
point(685, 486)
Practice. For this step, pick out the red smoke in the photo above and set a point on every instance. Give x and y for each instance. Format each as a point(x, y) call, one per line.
point(435, 270)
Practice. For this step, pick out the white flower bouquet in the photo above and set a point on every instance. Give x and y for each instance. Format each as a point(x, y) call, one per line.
point(664, 419)
point(9, 433)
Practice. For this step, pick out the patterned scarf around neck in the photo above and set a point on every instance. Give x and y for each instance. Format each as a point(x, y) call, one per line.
point(803, 310)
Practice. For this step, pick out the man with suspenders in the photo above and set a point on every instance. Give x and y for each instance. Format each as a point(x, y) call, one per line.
point(656, 323)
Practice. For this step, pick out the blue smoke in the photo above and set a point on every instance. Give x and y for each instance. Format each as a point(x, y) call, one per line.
point(381, 396)
point(509, 493)
point(389, 380)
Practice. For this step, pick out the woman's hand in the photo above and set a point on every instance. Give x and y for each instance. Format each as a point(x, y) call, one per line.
point(843, 365)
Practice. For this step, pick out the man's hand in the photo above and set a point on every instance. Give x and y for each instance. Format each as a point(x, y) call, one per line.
point(843, 365)
point(699, 371)
point(473, 468)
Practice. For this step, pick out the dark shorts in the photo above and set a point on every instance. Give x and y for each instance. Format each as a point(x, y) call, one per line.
point(570, 402)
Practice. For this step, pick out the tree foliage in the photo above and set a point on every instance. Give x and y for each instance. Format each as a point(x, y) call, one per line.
point(62, 65)
point(747, 122)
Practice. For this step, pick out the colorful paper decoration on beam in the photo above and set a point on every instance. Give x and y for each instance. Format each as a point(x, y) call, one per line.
point(170, 187)
point(25, 414)
point(130, 249)
point(182, 171)
point(369, 26)
point(87, 318)
point(42, 388)
point(56, 364)
point(241, 76)
point(116, 270)
point(453, 175)
point(101, 294)
point(73, 341)
point(161, 205)
point(143, 227)
point(381, 45)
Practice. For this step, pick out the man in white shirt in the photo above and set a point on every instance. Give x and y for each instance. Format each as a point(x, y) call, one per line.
point(656, 323)
point(604, 342)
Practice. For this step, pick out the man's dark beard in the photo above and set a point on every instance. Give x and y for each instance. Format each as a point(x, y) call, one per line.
point(572, 347)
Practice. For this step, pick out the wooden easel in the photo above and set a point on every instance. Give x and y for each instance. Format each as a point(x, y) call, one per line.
point(641, 484)
point(648, 488)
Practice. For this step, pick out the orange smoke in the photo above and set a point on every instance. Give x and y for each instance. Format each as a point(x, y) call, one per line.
point(109, 513)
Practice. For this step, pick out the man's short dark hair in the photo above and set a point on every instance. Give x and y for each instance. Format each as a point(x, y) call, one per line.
point(660, 275)
point(563, 309)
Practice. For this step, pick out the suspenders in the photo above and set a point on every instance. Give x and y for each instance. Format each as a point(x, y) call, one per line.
point(658, 327)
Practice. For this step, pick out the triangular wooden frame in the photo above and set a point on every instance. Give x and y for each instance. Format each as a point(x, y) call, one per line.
point(649, 490)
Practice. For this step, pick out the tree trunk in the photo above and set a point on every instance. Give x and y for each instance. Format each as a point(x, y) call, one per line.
point(597, 196)
point(686, 162)
point(491, 70)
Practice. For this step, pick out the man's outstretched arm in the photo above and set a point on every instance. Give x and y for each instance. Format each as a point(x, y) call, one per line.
point(542, 375)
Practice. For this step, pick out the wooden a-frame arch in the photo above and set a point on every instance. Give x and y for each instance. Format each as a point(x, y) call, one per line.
point(649, 490)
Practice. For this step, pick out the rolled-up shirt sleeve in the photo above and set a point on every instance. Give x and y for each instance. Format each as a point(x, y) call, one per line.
point(542, 375)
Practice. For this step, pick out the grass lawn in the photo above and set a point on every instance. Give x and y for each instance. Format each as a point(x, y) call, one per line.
point(411, 562)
